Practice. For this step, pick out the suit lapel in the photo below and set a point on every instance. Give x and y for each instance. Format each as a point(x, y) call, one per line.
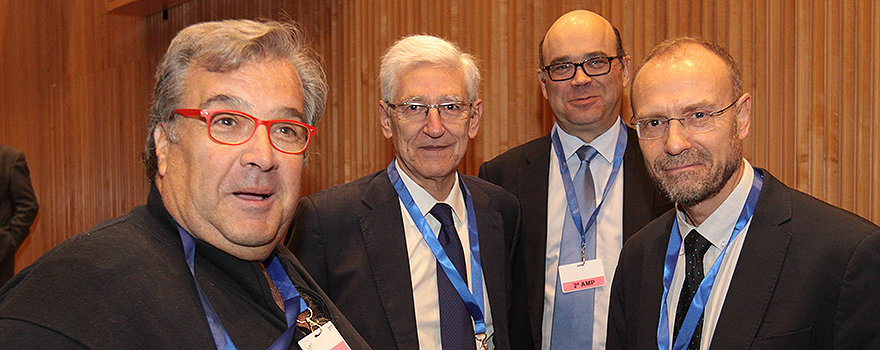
point(385, 243)
point(533, 183)
point(757, 270)
point(650, 287)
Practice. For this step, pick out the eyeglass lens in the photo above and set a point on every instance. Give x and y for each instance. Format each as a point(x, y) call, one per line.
point(592, 67)
point(418, 111)
point(231, 128)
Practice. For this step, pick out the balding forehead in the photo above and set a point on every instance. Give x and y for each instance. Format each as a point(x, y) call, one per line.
point(583, 22)
point(683, 58)
point(582, 34)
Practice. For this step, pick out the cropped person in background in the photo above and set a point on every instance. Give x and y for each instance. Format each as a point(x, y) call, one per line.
point(417, 256)
point(743, 261)
point(18, 207)
point(199, 266)
point(584, 71)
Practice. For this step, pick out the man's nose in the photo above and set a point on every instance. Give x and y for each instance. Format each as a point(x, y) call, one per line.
point(434, 123)
point(580, 76)
point(259, 150)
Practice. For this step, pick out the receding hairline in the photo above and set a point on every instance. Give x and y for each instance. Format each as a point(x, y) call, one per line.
point(580, 20)
point(679, 49)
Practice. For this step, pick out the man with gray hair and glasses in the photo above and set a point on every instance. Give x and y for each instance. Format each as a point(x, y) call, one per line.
point(743, 261)
point(200, 265)
point(417, 256)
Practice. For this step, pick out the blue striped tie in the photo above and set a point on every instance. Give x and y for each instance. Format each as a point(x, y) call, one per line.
point(573, 312)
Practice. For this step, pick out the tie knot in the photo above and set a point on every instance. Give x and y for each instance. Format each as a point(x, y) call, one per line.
point(586, 153)
point(443, 213)
point(696, 244)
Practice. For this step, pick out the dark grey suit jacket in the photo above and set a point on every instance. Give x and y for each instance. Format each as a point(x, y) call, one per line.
point(350, 238)
point(524, 171)
point(807, 278)
point(18, 207)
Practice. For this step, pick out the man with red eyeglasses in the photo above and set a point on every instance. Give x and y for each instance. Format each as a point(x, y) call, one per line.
point(199, 266)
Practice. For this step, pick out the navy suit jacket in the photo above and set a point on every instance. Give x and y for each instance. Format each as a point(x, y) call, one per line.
point(350, 238)
point(807, 278)
point(524, 171)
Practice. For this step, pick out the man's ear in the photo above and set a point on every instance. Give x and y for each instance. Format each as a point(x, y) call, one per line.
point(744, 116)
point(476, 116)
point(541, 79)
point(162, 141)
point(385, 120)
point(626, 69)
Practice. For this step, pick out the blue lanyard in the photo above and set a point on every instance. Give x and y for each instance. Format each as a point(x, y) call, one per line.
point(571, 197)
point(472, 300)
point(701, 297)
point(293, 303)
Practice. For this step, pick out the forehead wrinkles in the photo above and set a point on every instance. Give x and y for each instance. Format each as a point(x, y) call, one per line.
point(425, 99)
point(428, 83)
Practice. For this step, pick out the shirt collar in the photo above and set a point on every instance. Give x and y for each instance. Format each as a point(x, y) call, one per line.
point(719, 225)
point(425, 201)
point(604, 143)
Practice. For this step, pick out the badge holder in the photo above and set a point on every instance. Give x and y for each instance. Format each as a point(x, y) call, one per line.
point(583, 275)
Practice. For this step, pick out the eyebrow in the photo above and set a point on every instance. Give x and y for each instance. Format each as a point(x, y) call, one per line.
point(290, 113)
point(702, 105)
point(568, 58)
point(443, 99)
point(238, 103)
point(227, 101)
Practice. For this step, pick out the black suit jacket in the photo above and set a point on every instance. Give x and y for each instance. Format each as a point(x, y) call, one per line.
point(524, 171)
point(350, 238)
point(808, 277)
point(18, 207)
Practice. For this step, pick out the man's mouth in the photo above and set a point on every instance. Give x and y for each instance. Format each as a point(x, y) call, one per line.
point(253, 196)
point(583, 100)
point(434, 147)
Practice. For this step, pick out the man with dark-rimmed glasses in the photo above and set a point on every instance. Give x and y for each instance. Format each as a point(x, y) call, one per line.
point(576, 216)
point(200, 265)
point(417, 255)
point(743, 261)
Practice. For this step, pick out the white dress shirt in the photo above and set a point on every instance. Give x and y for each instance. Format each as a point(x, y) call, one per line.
point(609, 238)
point(423, 264)
point(717, 228)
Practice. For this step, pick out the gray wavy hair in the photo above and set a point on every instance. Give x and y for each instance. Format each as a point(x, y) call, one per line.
point(418, 50)
point(224, 46)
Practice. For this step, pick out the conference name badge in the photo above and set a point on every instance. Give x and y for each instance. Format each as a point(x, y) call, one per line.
point(325, 338)
point(582, 275)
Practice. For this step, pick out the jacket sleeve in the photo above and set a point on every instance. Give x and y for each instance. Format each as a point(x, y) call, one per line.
point(23, 207)
point(856, 323)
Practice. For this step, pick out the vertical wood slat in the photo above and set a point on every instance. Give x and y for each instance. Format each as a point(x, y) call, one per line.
point(79, 81)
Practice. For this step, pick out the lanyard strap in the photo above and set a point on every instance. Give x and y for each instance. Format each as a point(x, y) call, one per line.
point(571, 197)
point(472, 300)
point(701, 297)
point(293, 303)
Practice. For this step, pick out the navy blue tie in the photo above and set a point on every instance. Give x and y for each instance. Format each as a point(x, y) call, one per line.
point(695, 247)
point(456, 326)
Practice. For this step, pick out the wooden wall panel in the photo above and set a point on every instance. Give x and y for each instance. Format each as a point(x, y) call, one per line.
point(75, 93)
point(78, 81)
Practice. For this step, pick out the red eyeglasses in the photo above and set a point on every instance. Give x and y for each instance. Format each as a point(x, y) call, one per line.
point(234, 128)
